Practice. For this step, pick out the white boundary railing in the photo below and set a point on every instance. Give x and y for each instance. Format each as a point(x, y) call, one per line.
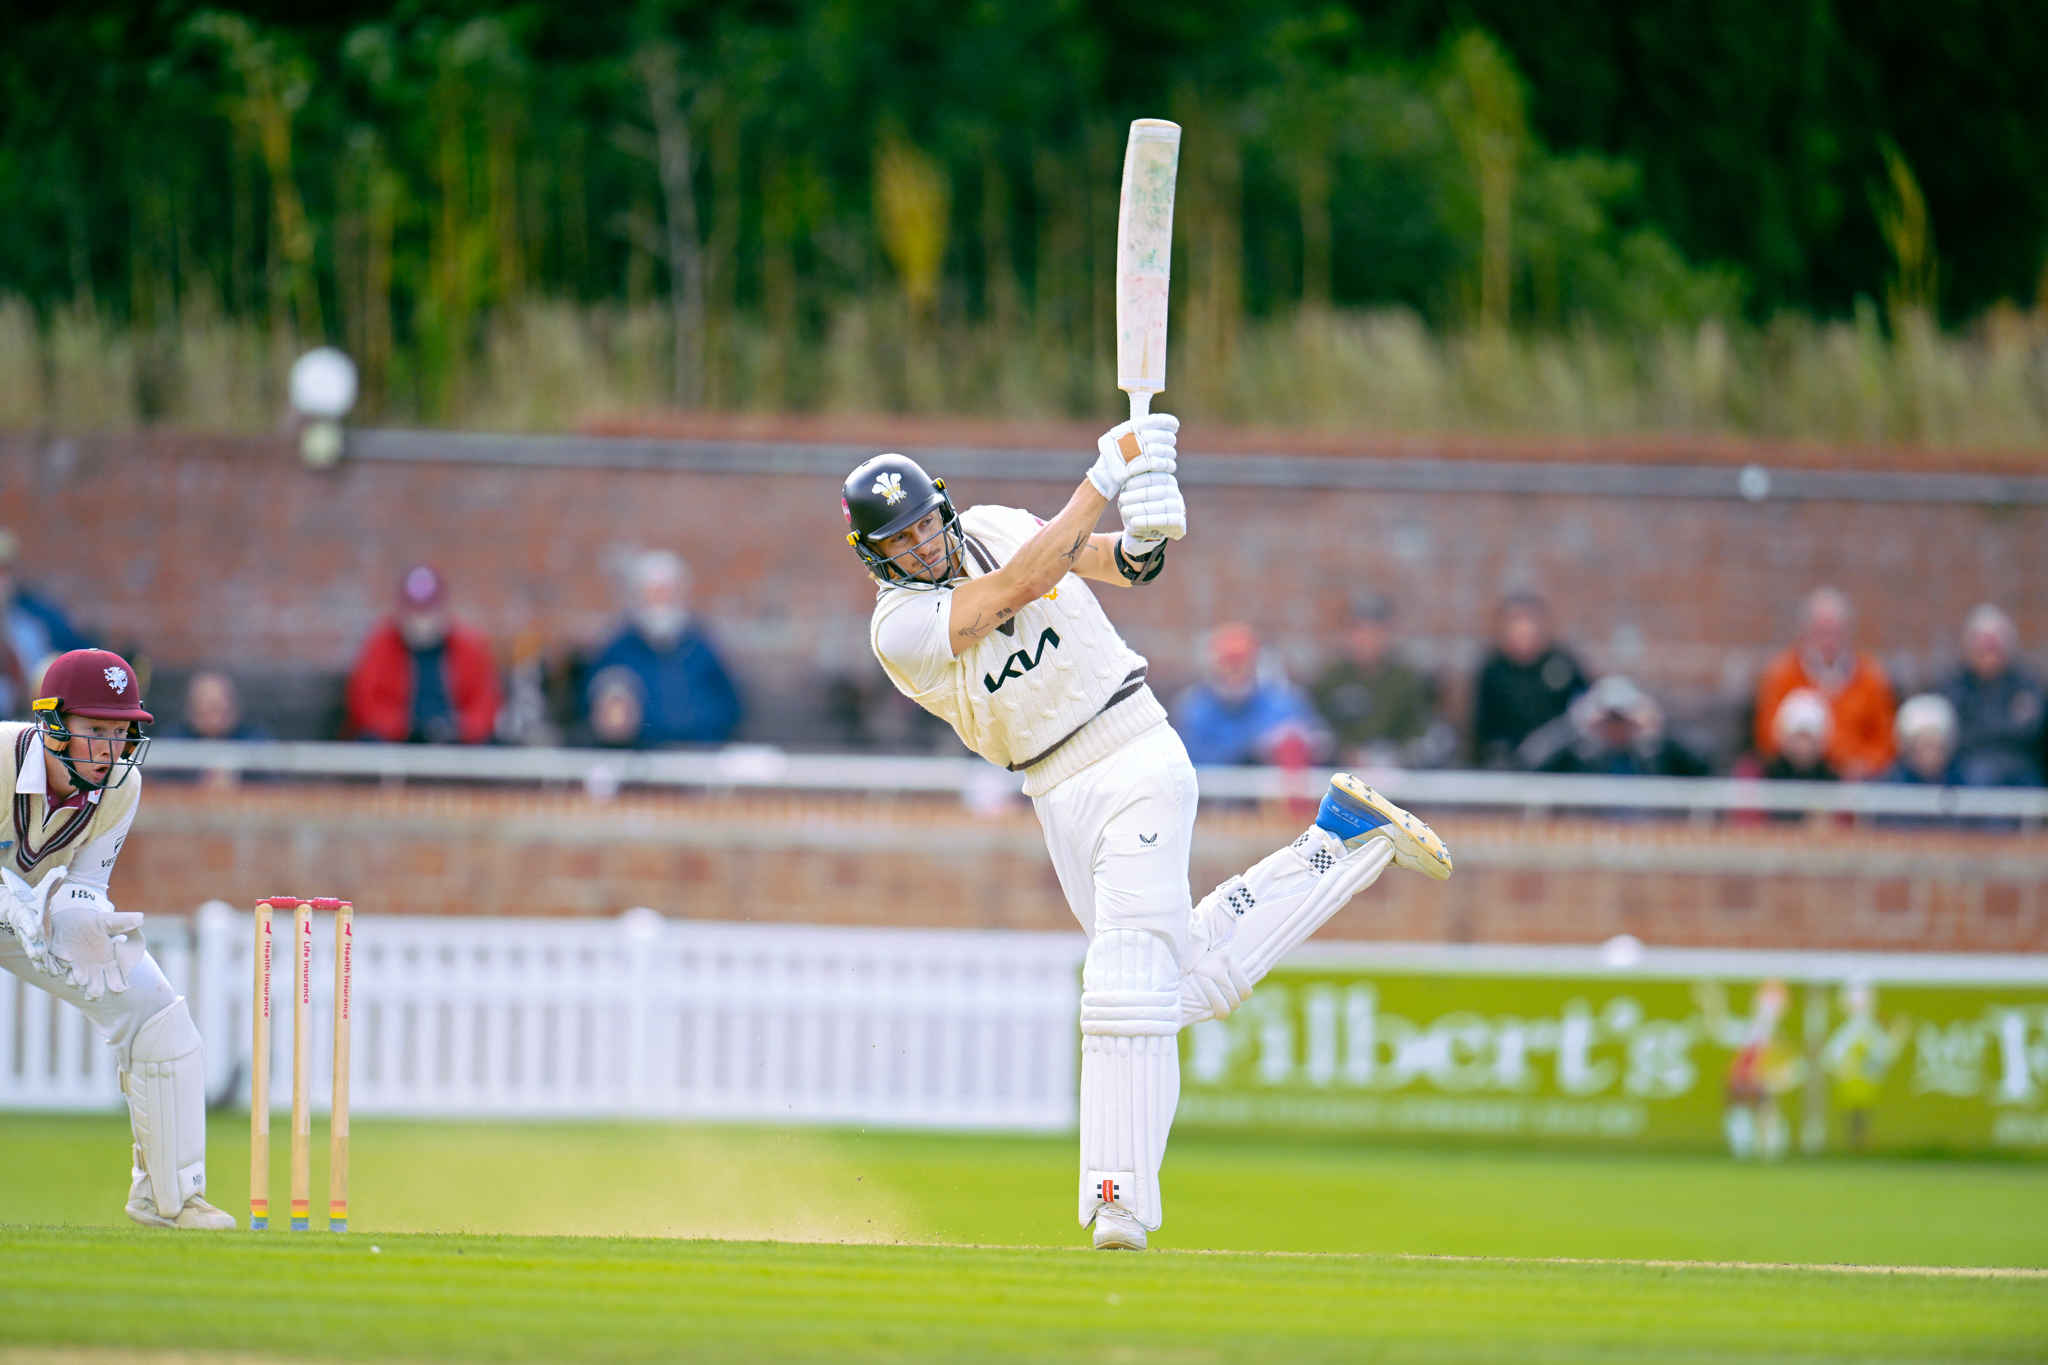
point(758, 767)
point(634, 1016)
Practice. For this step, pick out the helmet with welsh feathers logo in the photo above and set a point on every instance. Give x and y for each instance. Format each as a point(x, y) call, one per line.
point(886, 496)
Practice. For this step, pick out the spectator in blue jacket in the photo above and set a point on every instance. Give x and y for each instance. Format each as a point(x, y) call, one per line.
point(32, 632)
point(685, 693)
point(2000, 706)
point(1235, 716)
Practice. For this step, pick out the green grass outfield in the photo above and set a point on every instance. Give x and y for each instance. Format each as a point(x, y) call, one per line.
point(901, 1247)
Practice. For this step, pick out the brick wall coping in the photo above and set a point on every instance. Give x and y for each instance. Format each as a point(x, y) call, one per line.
point(1424, 470)
point(767, 767)
point(900, 431)
point(927, 829)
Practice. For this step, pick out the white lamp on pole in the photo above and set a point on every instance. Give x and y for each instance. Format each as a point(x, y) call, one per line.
point(323, 391)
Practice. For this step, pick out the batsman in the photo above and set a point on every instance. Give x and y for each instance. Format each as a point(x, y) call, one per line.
point(77, 782)
point(986, 619)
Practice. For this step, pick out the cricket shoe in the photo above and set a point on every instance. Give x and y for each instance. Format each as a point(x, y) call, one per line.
point(1355, 813)
point(1118, 1230)
point(197, 1213)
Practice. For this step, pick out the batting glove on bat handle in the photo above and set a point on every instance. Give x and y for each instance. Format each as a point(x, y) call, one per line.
point(1136, 447)
point(1153, 510)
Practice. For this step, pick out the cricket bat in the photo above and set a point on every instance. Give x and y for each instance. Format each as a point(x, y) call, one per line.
point(1144, 258)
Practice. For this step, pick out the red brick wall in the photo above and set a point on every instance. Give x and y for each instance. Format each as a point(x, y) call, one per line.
point(227, 551)
point(929, 863)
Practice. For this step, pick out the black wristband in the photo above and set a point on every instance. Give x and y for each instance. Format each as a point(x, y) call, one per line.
point(1143, 569)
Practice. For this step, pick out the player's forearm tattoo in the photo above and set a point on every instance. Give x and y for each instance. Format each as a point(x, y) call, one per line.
point(1074, 551)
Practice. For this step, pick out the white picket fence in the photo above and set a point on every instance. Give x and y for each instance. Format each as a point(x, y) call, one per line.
point(635, 1016)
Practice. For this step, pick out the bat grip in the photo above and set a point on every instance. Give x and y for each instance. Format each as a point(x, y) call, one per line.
point(1141, 403)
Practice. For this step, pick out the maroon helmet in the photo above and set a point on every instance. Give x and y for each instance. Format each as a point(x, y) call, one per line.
point(99, 684)
point(93, 682)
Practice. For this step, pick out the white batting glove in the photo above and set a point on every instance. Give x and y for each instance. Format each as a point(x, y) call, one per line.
point(22, 914)
point(1152, 510)
point(1222, 983)
point(1128, 449)
point(84, 927)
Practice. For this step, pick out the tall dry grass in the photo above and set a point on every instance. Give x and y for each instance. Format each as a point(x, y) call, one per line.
point(547, 366)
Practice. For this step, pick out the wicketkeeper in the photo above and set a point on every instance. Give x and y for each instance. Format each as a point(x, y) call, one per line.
point(77, 781)
point(982, 617)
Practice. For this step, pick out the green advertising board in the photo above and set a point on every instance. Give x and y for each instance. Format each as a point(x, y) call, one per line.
point(1758, 1053)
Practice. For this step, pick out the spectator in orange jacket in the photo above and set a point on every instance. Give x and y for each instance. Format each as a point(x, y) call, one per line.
point(1858, 694)
point(423, 676)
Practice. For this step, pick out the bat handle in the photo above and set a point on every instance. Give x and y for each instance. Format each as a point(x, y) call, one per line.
point(1141, 403)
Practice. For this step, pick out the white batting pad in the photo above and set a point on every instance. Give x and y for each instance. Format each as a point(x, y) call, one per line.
point(1271, 910)
point(166, 1087)
point(1130, 1069)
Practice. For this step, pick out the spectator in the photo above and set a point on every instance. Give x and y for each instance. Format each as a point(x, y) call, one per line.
point(35, 632)
point(1999, 706)
point(1235, 716)
point(1927, 743)
point(213, 710)
point(686, 696)
point(1801, 729)
point(423, 676)
point(1859, 698)
point(1375, 704)
point(1526, 683)
point(1615, 728)
point(618, 710)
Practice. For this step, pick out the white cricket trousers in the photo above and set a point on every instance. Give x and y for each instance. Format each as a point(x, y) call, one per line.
point(1120, 832)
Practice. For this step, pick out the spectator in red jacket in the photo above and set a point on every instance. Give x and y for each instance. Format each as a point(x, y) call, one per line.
point(423, 676)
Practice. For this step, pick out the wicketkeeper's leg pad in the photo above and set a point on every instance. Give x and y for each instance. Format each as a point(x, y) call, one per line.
point(1130, 1070)
point(166, 1088)
point(1271, 909)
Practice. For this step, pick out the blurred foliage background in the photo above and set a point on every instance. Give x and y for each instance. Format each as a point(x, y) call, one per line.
point(1801, 218)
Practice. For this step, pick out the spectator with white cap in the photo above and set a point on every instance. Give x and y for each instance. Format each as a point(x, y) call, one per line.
point(1999, 706)
point(1803, 728)
point(423, 676)
point(1927, 742)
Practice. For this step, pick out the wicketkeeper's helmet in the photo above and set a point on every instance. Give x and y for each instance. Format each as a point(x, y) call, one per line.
point(101, 684)
point(886, 495)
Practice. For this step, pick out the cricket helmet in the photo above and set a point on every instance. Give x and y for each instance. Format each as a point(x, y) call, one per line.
point(102, 685)
point(887, 495)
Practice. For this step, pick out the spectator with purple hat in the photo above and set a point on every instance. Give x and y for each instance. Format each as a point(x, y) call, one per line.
point(423, 676)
